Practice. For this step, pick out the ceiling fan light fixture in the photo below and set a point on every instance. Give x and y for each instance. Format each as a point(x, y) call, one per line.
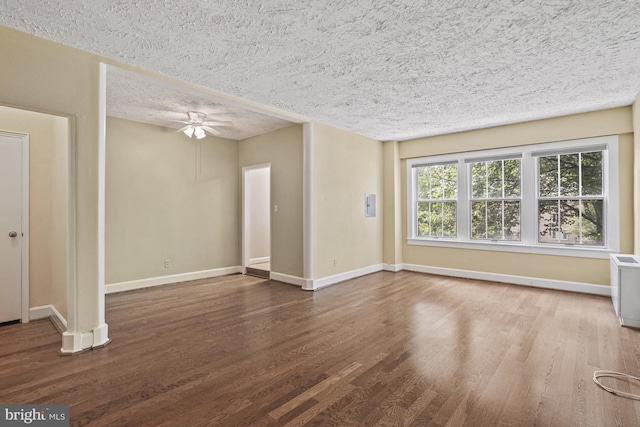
point(189, 131)
point(198, 127)
point(199, 132)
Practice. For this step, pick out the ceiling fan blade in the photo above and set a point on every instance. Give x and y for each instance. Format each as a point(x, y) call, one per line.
point(211, 130)
point(183, 129)
point(218, 123)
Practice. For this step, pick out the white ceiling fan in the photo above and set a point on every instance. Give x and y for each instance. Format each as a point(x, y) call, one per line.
point(198, 126)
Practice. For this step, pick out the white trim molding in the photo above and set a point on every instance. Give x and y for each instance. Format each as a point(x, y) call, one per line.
point(341, 277)
point(258, 260)
point(44, 311)
point(561, 285)
point(101, 338)
point(315, 284)
point(25, 227)
point(291, 280)
point(307, 200)
point(74, 342)
point(392, 267)
point(174, 278)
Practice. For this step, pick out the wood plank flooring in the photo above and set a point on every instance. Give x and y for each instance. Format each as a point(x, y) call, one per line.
point(385, 349)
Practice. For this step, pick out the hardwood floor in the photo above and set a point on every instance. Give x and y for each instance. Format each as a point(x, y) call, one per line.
point(384, 349)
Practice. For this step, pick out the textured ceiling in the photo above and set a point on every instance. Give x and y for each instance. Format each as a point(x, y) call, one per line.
point(388, 69)
point(140, 98)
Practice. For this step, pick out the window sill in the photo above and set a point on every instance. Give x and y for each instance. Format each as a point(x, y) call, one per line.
point(560, 250)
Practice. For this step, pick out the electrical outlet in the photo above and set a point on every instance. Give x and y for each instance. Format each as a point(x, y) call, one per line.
point(167, 263)
point(335, 262)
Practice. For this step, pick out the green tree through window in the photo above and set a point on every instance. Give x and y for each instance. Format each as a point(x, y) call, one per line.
point(571, 199)
point(557, 198)
point(495, 200)
point(436, 199)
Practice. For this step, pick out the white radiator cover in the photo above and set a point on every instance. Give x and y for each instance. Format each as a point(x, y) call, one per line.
point(625, 288)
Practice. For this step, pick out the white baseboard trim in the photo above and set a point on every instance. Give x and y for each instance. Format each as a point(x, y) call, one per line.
point(75, 342)
point(315, 284)
point(560, 285)
point(392, 267)
point(44, 311)
point(292, 280)
point(259, 260)
point(174, 278)
point(100, 335)
point(331, 280)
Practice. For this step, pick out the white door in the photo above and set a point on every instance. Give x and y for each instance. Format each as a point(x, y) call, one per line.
point(10, 228)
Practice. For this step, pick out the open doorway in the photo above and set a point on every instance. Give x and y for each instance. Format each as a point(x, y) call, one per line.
point(36, 222)
point(256, 220)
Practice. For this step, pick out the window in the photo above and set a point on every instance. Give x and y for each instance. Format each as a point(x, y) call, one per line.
point(495, 199)
point(553, 198)
point(436, 200)
point(571, 198)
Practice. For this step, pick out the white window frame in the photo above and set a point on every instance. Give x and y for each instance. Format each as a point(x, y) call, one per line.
point(442, 200)
point(502, 199)
point(529, 191)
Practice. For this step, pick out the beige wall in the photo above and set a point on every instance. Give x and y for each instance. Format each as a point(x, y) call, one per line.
point(42, 75)
point(48, 210)
point(168, 197)
point(392, 204)
point(283, 149)
point(594, 271)
point(606, 122)
point(345, 167)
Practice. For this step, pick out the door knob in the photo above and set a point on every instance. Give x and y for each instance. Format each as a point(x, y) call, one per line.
point(12, 234)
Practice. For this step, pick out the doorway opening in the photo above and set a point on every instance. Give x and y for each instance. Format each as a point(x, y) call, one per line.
point(256, 220)
point(44, 232)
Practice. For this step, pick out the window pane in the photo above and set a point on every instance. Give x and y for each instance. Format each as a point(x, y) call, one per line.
point(449, 221)
point(548, 176)
point(569, 174)
point(436, 219)
point(494, 220)
point(478, 180)
point(592, 173)
point(423, 182)
point(593, 222)
point(569, 222)
point(450, 181)
point(494, 171)
point(548, 217)
point(478, 220)
point(512, 178)
point(423, 219)
point(512, 220)
point(436, 182)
